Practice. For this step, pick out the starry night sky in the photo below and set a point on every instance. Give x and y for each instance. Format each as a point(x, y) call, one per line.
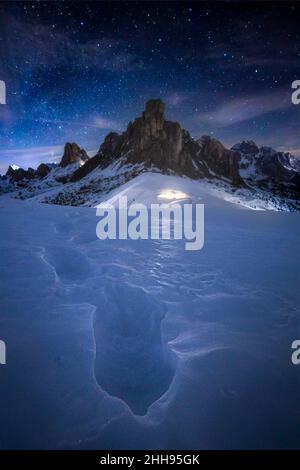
point(76, 70)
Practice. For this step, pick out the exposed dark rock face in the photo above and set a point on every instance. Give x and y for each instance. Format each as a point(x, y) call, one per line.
point(265, 168)
point(19, 174)
point(153, 141)
point(42, 170)
point(89, 166)
point(72, 154)
point(247, 147)
point(221, 161)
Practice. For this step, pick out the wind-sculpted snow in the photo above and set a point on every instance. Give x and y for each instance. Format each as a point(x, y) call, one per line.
point(142, 344)
point(132, 360)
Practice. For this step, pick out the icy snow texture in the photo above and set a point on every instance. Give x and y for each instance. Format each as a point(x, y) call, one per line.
point(141, 344)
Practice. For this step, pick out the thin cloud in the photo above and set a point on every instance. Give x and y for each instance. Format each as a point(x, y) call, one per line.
point(245, 108)
point(31, 156)
point(104, 123)
point(177, 98)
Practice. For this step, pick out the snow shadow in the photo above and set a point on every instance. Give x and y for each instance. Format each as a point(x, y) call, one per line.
point(132, 361)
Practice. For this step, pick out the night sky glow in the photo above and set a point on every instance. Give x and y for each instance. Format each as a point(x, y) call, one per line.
point(76, 70)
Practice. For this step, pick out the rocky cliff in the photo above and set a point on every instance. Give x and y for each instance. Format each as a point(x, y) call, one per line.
point(72, 154)
point(153, 141)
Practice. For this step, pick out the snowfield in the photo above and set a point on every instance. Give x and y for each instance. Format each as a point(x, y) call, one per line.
point(122, 344)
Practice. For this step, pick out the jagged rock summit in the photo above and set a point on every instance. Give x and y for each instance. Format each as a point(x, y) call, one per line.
point(17, 174)
point(72, 154)
point(155, 142)
point(221, 161)
point(268, 169)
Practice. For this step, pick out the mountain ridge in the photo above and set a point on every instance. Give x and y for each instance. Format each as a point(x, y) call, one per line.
point(153, 143)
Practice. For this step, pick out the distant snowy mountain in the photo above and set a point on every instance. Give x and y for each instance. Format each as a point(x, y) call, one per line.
point(264, 168)
point(30, 182)
point(152, 143)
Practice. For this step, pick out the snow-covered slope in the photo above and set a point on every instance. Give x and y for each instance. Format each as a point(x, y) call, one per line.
point(150, 187)
point(141, 344)
point(265, 168)
point(261, 176)
point(28, 188)
point(99, 183)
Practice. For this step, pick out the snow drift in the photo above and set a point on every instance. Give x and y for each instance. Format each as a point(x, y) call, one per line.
point(141, 344)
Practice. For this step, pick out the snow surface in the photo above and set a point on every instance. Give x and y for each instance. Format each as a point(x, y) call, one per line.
point(141, 344)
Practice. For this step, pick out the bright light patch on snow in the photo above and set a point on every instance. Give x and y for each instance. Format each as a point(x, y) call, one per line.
point(171, 194)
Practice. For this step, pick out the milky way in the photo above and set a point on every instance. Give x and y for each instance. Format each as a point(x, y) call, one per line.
point(76, 70)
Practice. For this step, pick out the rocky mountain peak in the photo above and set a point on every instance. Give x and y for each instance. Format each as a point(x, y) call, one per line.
point(153, 117)
point(154, 107)
point(72, 154)
point(149, 140)
point(42, 170)
point(206, 141)
point(247, 147)
point(153, 141)
point(221, 161)
point(18, 174)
